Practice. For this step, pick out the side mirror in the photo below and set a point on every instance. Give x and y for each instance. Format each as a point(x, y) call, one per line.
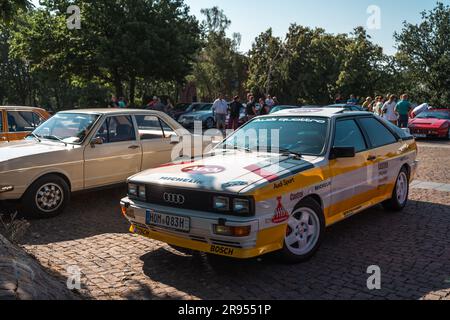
point(96, 141)
point(342, 152)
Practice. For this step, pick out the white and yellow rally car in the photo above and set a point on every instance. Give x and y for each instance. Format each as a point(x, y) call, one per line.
point(275, 184)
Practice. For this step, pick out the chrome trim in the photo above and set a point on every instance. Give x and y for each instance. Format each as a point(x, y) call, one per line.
point(4, 189)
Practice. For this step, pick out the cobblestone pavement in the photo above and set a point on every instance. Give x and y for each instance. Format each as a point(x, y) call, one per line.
point(412, 249)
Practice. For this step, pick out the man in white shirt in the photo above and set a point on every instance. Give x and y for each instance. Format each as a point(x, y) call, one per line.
point(220, 109)
point(388, 110)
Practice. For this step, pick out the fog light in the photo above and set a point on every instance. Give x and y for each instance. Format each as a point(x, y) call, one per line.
point(232, 231)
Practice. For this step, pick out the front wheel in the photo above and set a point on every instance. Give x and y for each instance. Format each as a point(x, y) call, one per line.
point(304, 232)
point(45, 198)
point(400, 195)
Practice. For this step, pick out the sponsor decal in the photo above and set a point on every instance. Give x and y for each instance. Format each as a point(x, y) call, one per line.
point(281, 214)
point(234, 184)
point(203, 170)
point(181, 180)
point(283, 183)
point(296, 196)
point(222, 250)
point(323, 186)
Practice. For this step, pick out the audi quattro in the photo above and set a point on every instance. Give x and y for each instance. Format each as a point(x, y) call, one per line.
point(275, 184)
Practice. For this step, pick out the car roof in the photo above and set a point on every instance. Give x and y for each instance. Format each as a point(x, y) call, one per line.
point(111, 111)
point(342, 105)
point(21, 108)
point(317, 112)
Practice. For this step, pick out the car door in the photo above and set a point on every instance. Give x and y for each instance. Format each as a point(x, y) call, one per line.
point(3, 127)
point(350, 176)
point(114, 153)
point(384, 147)
point(156, 140)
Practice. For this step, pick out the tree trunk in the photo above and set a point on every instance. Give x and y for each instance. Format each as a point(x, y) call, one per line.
point(117, 83)
point(132, 89)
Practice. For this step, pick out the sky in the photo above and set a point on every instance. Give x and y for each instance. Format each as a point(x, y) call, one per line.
point(251, 17)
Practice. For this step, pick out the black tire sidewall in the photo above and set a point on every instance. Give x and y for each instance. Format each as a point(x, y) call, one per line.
point(29, 206)
point(289, 257)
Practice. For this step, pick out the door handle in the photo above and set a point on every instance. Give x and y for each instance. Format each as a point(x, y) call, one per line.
point(133, 147)
point(372, 158)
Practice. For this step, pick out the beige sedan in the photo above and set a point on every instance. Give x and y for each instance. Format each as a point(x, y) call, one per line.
point(80, 150)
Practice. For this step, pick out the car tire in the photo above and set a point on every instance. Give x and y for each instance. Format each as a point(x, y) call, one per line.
point(46, 197)
point(400, 195)
point(304, 233)
point(209, 123)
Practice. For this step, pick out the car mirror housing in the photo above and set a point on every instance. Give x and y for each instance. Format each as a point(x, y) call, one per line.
point(96, 141)
point(342, 152)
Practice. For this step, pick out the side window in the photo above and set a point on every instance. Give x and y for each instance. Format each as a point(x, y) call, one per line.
point(20, 121)
point(378, 134)
point(116, 129)
point(168, 131)
point(149, 127)
point(348, 134)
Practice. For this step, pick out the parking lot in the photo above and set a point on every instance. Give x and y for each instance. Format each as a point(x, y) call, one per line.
point(412, 248)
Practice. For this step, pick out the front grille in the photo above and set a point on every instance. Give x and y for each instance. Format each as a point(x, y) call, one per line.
point(193, 199)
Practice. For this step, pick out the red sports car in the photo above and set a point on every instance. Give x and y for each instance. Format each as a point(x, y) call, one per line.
point(431, 123)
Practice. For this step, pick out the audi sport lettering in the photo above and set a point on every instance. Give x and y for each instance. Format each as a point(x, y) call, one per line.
point(278, 194)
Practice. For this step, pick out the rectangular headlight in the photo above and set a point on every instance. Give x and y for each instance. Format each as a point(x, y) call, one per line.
point(132, 190)
point(142, 194)
point(241, 206)
point(221, 203)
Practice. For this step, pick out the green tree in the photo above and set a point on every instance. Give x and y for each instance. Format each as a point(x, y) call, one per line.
point(220, 68)
point(424, 53)
point(120, 42)
point(10, 8)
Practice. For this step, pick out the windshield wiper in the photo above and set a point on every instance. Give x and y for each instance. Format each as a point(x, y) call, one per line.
point(55, 138)
point(289, 152)
point(34, 135)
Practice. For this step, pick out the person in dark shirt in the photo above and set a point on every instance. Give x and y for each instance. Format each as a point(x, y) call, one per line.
point(235, 112)
point(250, 109)
point(264, 108)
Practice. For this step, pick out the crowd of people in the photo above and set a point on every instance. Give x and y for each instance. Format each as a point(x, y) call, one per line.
point(397, 111)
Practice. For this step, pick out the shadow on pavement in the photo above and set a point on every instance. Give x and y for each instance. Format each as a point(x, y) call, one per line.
point(412, 248)
point(89, 214)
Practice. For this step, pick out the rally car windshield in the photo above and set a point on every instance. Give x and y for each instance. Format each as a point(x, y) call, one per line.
point(298, 135)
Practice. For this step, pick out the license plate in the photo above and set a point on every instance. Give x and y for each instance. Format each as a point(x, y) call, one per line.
point(168, 221)
point(420, 135)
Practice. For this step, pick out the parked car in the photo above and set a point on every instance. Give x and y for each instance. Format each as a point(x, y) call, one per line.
point(201, 112)
point(253, 196)
point(431, 123)
point(184, 108)
point(347, 107)
point(281, 108)
point(83, 149)
point(17, 122)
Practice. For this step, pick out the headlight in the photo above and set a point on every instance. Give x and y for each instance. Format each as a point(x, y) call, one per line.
point(221, 203)
point(137, 191)
point(133, 189)
point(241, 206)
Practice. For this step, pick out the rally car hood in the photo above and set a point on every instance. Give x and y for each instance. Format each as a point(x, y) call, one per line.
point(428, 122)
point(230, 171)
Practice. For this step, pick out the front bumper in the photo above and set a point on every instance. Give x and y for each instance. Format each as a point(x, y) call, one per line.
point(201, 236)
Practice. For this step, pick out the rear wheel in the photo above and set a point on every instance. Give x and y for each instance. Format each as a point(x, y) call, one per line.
point(304, 232)
point(400, 195)
point(45, 198)
point(209, 123)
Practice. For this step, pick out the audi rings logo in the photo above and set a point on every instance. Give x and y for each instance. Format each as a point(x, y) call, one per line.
point(174, 198)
